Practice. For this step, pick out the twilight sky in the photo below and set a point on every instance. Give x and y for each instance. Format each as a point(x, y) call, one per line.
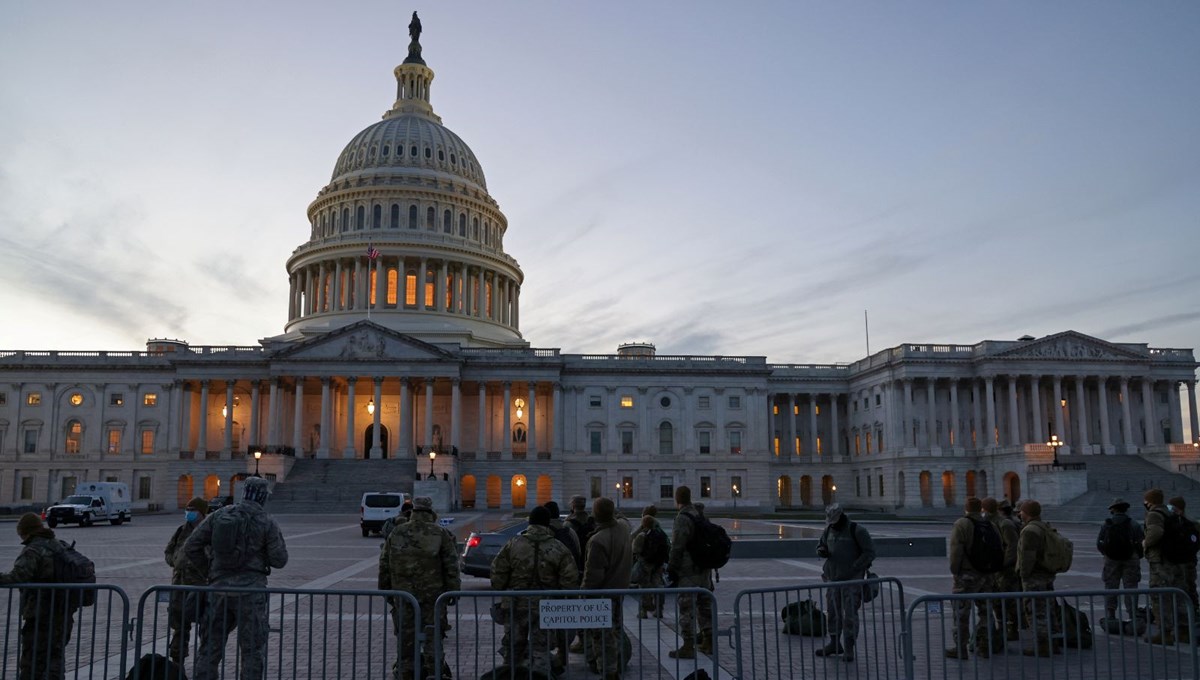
point(710, 180)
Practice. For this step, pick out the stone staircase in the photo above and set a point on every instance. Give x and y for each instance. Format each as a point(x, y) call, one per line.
point(337, 486)
point(1125, 477)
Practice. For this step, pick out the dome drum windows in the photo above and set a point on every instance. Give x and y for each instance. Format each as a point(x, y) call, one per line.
point(447, 222)
point(360, 217)
point(395, 224)
point(430, 219)
point(377, 216)
point(412, 216)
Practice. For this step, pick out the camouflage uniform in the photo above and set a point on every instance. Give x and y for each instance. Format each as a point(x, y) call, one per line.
point(1040, 612)
point(850, 553)
point(1007, 611)
point(607, 566)
point(649, 575)
point(46, 621)
point(531, 560)
point(968, 579)
point(1169, 612)
point(1124, 572)
point(419, 558)
point(184, 608)
point(695, 612)
point(261, 547)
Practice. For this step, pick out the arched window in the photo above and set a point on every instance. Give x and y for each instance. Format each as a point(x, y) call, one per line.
point(666, 439)
point(345, 219)
point(74, 441)
point(462, 225)
point(430, 288)
point(447, 225)
point(430, 218)
point(475, 228)
point(412, 214)
point(395, 216)
point(487, 233)
point(377, 216)
point(392, 277)
point(360, 217)
point(948, 492)
point(926, 484)
point(410, 288)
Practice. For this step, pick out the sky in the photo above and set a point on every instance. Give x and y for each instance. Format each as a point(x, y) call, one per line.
point(713, 180)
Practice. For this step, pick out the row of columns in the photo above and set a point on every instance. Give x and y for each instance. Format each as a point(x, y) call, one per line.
point(344, 284)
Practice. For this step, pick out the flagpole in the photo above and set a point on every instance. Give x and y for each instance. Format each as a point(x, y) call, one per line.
point(867, 330)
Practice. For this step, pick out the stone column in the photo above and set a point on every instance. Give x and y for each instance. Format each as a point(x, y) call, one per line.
point(531, 447)
point(298, 419)
point(1014, 418)
point(404, 445)
point(835, 438)
point(1035, 403)
point(1195, 419)
point(791, 424)
point(202, 434)
point(989, 385)
point(1151, 436)
point(422, 276)
point(812, 427)
point(179, 404)
point(980, 440)
point(227, 444)
point(455, 411)
point(952, 426)
point(377, 417)
point(480, 311)
point(1058, 408)
point(380, 286)
point(1081, 405)
point(931, 438)
point(255, 405)
point(336, 291)
point(1176, 412)
point(440, 288)
point(428, 429)
point(273, 415)
point(1125, 413)
point(1102, 404)
point(351, 382)
point(556, 446)
point(906, 423)
point(506, 433)
point(481, 443)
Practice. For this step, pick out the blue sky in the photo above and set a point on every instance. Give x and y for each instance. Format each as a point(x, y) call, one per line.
point(710, 180)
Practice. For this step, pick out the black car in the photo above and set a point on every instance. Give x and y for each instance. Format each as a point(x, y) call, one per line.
point(219, 502)
point(482, 548)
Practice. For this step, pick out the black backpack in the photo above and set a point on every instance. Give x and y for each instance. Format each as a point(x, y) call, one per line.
point(72, 566)
point(710, 545)
point(656, 549)
point(583, 530)
point(1180, 541)
point(1119, 540)
point(564, 536)
point(986, 553)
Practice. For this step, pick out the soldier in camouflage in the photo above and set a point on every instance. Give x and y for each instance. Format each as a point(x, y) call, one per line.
point(969, 579)
point(245, 543)
point(1006, 611)
point(46, 620)
point(184, 608)
point(607, 565)
point(1031, 555)
point(391, 523)
point(531, 560)
point(419, 558)
point(695, 612)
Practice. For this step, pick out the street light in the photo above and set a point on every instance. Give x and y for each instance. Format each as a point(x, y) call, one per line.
point(257, 457)
point(619, 494)
point(432, 455)
point(371, 407)
point(736, 493)
point(833, 493)
point(1055, 444)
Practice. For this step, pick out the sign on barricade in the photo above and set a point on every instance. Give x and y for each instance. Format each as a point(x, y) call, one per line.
point(56, 636)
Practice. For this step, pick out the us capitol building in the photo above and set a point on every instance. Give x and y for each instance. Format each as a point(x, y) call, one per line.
point(403, 339)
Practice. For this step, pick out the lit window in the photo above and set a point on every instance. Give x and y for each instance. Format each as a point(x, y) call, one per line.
point(33, 399)
point(706, 487)
point(74, 436)
point(114, 440)
point(392, 285)
point(735, 441)
point(147, 441)
point(735, 402)
point(430, 288)
point(735, 486)
point(775, 410)
point(703, 402)
point(410, 289)
point(775, 445)
point(626, 401)
point(150, 399)
point(627, 487)
point(796, 410)
point(817, 410)
point(76, 399)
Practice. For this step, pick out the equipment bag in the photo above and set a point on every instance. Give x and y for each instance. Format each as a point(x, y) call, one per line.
point(656, 549)
point(1058, 551)
point(230, 526)
point(1180, 541)
point(1077, 629)
point(1118, 540)
point(986, 553)
point(72, 566)
point(803, 618)
point(710, 545)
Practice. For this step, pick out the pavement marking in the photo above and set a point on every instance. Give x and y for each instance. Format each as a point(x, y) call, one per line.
point(803, 565)
point(323, 531)
point(127, 565)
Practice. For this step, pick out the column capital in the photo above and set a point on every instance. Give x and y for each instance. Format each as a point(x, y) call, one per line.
point(456, 381)
point(404, 380)
point(351, 380)
point(507, 384)
point(204, 384)
point(378, 380)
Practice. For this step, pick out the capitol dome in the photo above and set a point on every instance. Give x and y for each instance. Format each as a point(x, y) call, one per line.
point(406, 235)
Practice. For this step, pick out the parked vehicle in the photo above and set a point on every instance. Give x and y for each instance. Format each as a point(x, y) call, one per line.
point(92, 502)
point(378, 507)
point(482, 548)
point(219, 502)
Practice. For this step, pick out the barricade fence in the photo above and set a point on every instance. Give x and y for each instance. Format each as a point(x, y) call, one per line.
point(57, 630)
point(776, 633)
point(206, 633)
point(787, 632)
point(578, 633)
point(1064, 635)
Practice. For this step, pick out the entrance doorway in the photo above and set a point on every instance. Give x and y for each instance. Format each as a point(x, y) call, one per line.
point(369, 437)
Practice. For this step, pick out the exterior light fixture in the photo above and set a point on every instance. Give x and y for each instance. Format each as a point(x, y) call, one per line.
point(225, 411)
point(371, 407)
point(432, 455)
point(1055, 444)
point(257, 457)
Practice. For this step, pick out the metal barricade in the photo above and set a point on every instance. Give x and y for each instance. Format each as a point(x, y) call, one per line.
point(534, 625)
point(1064, 635)
point(286, 632)
point(787, 632)
point(62, 634)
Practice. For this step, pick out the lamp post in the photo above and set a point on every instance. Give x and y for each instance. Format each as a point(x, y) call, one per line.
point(432, 455)
point(1055, 444)
point(257, 457)
point(619, 494)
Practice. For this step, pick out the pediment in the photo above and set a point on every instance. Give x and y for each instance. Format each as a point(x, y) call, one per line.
point(1071, 346)
point(365, 341)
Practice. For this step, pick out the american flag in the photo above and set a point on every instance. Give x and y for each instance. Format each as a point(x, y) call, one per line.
point(372, 252)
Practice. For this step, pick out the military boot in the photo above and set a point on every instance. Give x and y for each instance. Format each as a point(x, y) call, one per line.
point(848, 650)
point(706, 642)
point(1163, 637)
point(687, 651)
point(832, 649)
point(957, 652)
point(1011, 632)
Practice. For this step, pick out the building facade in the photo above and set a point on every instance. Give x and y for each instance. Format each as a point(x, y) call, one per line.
point(403, 339)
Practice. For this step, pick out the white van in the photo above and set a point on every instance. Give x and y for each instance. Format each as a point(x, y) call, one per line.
point(92, 502)
point(378, 507)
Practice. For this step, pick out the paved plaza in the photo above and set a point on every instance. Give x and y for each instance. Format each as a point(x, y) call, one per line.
point(328, 552)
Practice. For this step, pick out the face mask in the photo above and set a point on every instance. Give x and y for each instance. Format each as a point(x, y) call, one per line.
point(192, 515)
point(1170, 508)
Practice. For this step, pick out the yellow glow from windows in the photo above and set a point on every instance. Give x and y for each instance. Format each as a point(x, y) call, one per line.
point(489, 298)
point(775, 446)
point(410, 289)
point(147, 441)
point(114, 441)
point(430, 289)
point(150, 399)
point(393, 280)
point(626, 401)
point(33, 399)
point(796, 410)
point(76, 399)
point(817, 410)
point(371, 292)
point(775, 410)
point(819, 447)
point(797, 447)
point(449, 292)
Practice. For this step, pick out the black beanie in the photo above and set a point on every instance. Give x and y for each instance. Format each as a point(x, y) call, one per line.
point(539, 516)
